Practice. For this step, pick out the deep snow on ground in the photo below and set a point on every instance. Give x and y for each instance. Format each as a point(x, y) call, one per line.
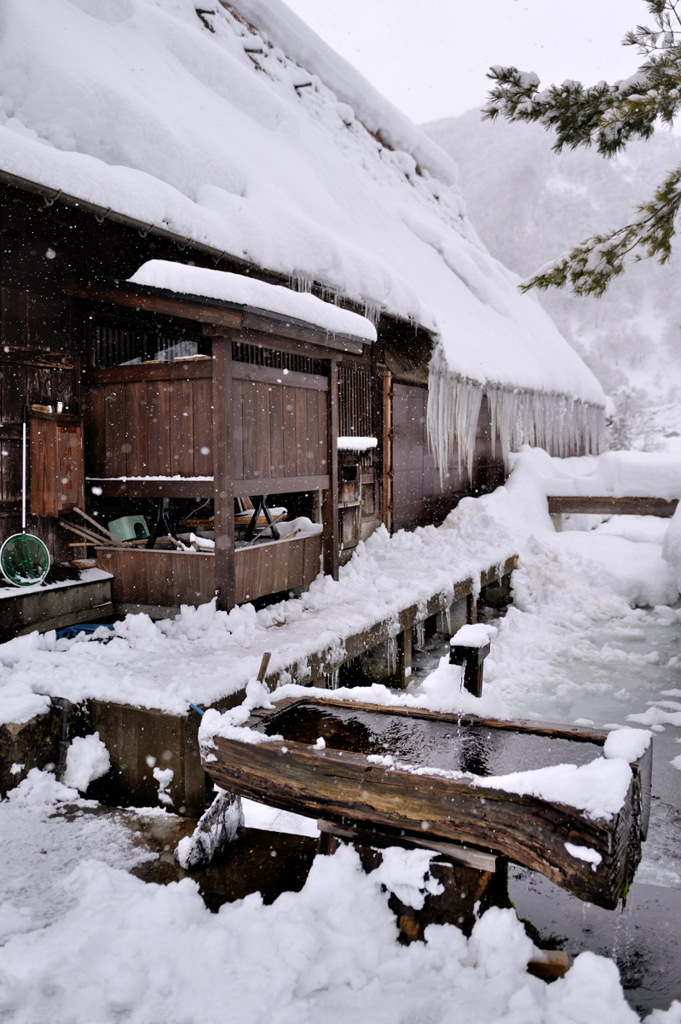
point(85, 941)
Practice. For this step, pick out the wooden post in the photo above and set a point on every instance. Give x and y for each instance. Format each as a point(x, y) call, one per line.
point(331, 541)
point(471, 609)
point(223, 473)
point(387, 451)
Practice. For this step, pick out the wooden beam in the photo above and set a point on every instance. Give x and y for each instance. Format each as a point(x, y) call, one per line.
point(609, 506)
point(273, 375)
point(142, 488)
point(280, 485)
point(210, 311)
point(185, 369)
point(134, 297)
point(36, 357)
point(387, 449)
point(265, 325)
point(223, 471)
point(262, 339)
point(331, 545)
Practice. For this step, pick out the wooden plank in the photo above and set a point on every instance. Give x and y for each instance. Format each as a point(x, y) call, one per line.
point(285, 558)
point(95, 427)
point(261, 439)
point(157, 577)
point(181, 428)
point(280, 485)
point(323, 433)
point(606, 505)
point(312, 459)
point(387, 449)
point(269, 568)
point(241, 564)
point(272, 375)
point(223, 469)
point(142, 299)
point(188, 488)
point(35, 357)
point(301, 432)
point(289, 403)
point(312, 554)
point(238, 429)
point(249, 427)
point(189, 369)
point(159, 448)
point(331, 543)
point(137, 428)
point(114, 427)
point(276, 466)
point(202, 404)
point(301, 332)
point(279, 343)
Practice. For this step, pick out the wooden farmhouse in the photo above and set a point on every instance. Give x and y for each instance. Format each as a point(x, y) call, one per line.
point(161, 393)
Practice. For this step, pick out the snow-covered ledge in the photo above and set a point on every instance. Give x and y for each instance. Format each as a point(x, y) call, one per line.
point(248, 291)
point(356, 444)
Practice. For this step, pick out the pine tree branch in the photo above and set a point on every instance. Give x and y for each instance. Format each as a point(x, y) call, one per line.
point(608, 116)
point(591, 266)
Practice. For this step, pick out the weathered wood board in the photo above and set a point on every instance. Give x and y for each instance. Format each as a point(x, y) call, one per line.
point(347, 783)
point(607, 505)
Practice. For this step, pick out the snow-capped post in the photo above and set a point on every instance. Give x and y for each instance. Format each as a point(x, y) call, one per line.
point(223, 472)
point(469, 647)
point(331, 540)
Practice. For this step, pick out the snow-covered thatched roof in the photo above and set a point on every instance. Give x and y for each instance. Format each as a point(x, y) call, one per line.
point(240, 129)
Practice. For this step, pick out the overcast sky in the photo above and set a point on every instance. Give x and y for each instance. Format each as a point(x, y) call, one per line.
point(430, 56)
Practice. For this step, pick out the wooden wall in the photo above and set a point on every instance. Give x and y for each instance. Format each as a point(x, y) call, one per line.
point(150, 420)
point(280, 429)
point(170, 578)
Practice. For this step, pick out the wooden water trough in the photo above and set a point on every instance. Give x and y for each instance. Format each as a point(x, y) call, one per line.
point(389, 772)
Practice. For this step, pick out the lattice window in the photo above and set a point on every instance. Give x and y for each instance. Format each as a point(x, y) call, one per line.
point(354, 402)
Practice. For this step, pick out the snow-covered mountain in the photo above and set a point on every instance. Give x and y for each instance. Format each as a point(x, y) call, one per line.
point(530, 204)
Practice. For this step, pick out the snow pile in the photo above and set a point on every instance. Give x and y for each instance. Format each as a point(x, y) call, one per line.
point(195, 123)
point(150, 952)
point(41, 789)
point(87, 759)
point(248, 291)
point(204, 655)
point(598, 789)
point(627, 744)
point(477, 635)
point(671, 546)
point(619, 474)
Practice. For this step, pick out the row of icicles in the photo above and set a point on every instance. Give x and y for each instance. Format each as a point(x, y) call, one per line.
point(558, 423)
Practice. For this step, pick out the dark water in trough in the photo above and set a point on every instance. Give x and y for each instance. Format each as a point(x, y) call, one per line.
point(452, 746)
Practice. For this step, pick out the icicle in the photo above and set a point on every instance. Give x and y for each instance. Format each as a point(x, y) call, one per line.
point(391, 660)
point(561, 424)
point(453, 410)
